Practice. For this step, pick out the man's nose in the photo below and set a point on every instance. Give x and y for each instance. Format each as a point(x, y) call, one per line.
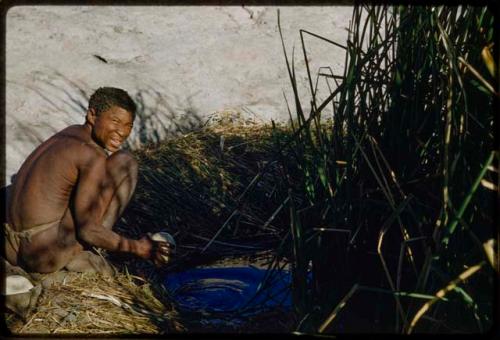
point(122, 131)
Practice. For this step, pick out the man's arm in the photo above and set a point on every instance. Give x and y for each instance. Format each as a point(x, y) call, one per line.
point(93, 194)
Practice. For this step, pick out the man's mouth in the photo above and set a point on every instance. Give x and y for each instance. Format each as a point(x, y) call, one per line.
point(115, 142)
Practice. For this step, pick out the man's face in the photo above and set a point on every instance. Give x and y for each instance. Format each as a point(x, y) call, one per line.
point(111, 128)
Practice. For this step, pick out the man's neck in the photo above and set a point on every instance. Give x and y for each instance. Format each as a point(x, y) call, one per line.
point(88, 127)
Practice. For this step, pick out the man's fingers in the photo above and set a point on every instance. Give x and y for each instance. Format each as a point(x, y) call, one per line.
point(167, 251)
point(160, 261)
point(163, 252)
point(162, 257)
point(164, 244)
point(166, 248)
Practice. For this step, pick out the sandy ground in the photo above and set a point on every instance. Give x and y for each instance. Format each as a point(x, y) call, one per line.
point(181, 63)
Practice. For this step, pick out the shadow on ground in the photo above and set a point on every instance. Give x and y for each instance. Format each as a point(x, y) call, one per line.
point(64, 102)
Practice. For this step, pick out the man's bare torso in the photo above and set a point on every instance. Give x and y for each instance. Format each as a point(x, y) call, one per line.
point(44, 184)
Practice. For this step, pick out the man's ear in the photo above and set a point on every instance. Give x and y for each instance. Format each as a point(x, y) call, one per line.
point(91, 116)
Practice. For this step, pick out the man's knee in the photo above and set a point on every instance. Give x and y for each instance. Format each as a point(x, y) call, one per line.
point(122, 163)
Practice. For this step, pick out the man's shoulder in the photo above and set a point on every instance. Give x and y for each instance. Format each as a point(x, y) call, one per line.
point(79, 146)
point(88, 151)
point(75, 137)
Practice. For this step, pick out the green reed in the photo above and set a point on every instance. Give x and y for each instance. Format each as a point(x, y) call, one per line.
point(397, 168)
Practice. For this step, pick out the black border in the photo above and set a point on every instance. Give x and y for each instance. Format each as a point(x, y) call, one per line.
point(494, 332)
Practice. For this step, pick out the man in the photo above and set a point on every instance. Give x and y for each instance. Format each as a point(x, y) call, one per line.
point(71, 190)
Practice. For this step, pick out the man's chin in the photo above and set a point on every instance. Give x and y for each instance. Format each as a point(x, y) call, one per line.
point(112, 149)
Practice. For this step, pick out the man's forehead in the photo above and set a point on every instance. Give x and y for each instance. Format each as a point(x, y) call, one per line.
point(119, 112)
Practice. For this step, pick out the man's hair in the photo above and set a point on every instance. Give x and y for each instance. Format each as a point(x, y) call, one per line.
point(106, 97)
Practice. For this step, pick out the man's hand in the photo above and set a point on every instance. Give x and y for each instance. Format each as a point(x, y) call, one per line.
point(162, 253)
point(143, 247)
point(157, 251)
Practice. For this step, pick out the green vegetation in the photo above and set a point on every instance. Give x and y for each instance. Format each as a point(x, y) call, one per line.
point(398, 168)
point(379, 195)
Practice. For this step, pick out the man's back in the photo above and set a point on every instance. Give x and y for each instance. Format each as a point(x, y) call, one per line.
point(45, 182)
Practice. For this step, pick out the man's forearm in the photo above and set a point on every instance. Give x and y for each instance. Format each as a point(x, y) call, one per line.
point(109, 240)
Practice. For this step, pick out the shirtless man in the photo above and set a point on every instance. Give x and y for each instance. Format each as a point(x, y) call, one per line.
point(70, 191)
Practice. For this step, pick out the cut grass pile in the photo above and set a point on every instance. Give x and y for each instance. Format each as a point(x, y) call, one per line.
point(86, 303)
point(217, 190)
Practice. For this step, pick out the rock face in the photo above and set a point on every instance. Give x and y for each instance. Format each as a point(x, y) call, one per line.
point(181, 64)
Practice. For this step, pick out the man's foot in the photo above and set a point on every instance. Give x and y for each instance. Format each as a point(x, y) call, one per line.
point(88, 262)
point(47, 280)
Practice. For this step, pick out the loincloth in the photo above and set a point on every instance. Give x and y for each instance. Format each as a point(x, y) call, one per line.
point(13, 238)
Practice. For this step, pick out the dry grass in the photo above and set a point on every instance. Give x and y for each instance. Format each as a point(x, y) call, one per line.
point(210, 190)
point(93, 304)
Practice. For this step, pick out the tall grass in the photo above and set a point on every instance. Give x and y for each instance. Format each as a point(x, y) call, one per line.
point(398, 183)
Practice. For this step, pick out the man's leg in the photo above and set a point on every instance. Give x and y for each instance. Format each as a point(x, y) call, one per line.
point(122, 168)
point(88, 262)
